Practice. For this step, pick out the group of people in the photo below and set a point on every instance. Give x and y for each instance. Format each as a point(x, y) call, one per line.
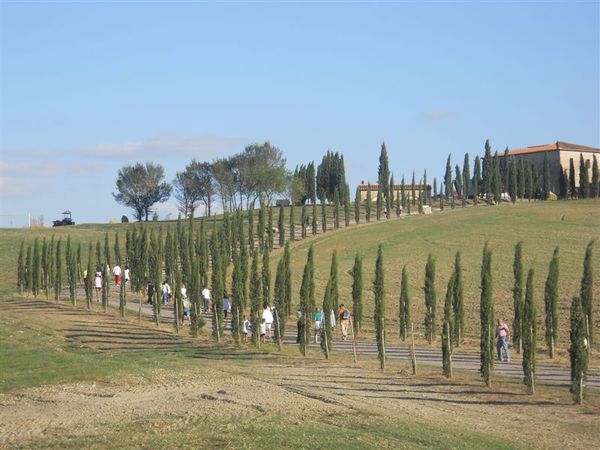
point(342, 317)
point(265, 326)
point(116, 271)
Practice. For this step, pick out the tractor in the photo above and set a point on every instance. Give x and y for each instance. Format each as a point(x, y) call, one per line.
point(66, 220)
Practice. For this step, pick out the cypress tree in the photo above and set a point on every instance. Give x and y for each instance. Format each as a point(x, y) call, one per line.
point(323, 217)
point(368, 204)
point(58, 266)
point(458, 303)
point(426, 198)
point(255, 296)
point(251, 230)
point(357, 287)
point(383, 176)
point(347, 206)
point(117, 249)
point(476, 178)
point(587, 293)
point(379, 310)
point(448, 181)
point(36, 268)
point(51, 261)
point(122, 299)
point(244, 263)
point(520, 178)
point(413, 191)
point(546, 178)
point(551, 304)
point(518, 297)
point(194, 294)
point(279, 301)
point(578, 353)
point(458, 180)
point(336, 210)
point(266, 279)
point(584, 181)
point(404, 305)
point(28, 269)
point(529, 183)
point(303, 221)
point(292, 224)
point(330, 300)
point(430, 299)
point(89, 287)
point(21, 268)
point(218, 289)
point(486, 310)
point(45, 263)
point(403, 192)
point(154, 276)
point(529, 333)
point(288, 280)
point(379, 205)
point(466, 179)
point(487, 171)
point(105, 277)
point(357, 206)
point(72, 277)
point(572, 188)
point(306, 301)
point(314, 219)
point(261, 226)
point(512, 181)
point(237, 293)
point(595, 186)
point(280, 226)
point(106, 249)
point(447, 329)
point(392, 192)
point(496, 180)
point(270, 228)
point(98, 254)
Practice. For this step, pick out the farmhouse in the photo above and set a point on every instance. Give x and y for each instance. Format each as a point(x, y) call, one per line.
point(559, 156)
point(397, 188)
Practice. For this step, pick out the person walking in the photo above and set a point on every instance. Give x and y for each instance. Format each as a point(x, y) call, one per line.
point(116, 271)
point(502, 336)
point(205, 298)
point(317, 316)
point(226, 306)
point(246, 328)
point(166, 292)
point(126, 274)
point(149, 292)
point(299, 324)
point(98, 284)
point(344, 319)
point(267, 317)
point(187, 305)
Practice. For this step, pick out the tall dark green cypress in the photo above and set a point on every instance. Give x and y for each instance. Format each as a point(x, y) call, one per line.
point(476, 178)
point(279, 301)
point(357, 294)
point(430, 299)
point(595, 186)
point(448, 191)
point(584, 180)
point(58, 272)
point(486, 312)
point(89, 285)
point(378, 205)
point(306, 301)
point(578, 353)
point(546, 178)
point(262, 219)
point(292, 224)
point(587, 293)
point(368, 204)
point(45, 263)
point(529, 334)
point(357, 205)
point(36, 268)
point(512, 181)
point(403, 192)
point(517, 326)
point(303, 218)
point(330, 301)
point(497, 180)
point(29, 269)
point(572, 188)
point(21, 268)
point(323, 217)
point(383, 176)
point(314, 219)
point(270, 228)
point(288, 279)
point(266, 279)
point(447, 329)
point(237, 293)
point(404, 318)
point(466, 179)
point(122, 298)
point(251, 231)
point(72, 277)
point(458, 303)
point(336, 211)
point(392, 192)
point(487, 171)
point(218, 288)
point(281, 227)
point(379, 310)
point(347, 206)
point(551, 304)
point(413, 191)
point(458, 180)
point(255, 296)
point(117, 249)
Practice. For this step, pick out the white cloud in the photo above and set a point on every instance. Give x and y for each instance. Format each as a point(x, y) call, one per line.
point(201, 147)
point(14, 187)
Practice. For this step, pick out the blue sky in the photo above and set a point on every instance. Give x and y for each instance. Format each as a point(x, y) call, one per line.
point(87, 88)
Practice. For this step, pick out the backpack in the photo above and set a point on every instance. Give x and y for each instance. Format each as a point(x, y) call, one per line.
point(346, 314)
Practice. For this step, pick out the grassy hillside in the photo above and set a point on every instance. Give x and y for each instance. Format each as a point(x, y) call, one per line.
point(407, 241)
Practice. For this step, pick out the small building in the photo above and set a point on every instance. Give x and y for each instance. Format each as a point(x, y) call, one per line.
point(559, 155)
point(397, 188)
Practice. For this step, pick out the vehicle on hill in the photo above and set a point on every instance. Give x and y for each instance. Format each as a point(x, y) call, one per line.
point(66, 220)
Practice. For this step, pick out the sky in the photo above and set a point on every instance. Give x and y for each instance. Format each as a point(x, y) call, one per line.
point(88, 88)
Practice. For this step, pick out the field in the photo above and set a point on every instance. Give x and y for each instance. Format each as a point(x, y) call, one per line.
point(72, 378)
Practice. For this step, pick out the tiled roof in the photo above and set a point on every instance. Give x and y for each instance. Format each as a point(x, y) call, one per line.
point(558, 145)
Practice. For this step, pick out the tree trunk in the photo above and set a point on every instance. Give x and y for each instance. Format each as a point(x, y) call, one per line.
point(353, 339)
point(413, 356)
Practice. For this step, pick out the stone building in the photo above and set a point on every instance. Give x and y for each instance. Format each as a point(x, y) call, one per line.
point(397, 188)
point(559, 155)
